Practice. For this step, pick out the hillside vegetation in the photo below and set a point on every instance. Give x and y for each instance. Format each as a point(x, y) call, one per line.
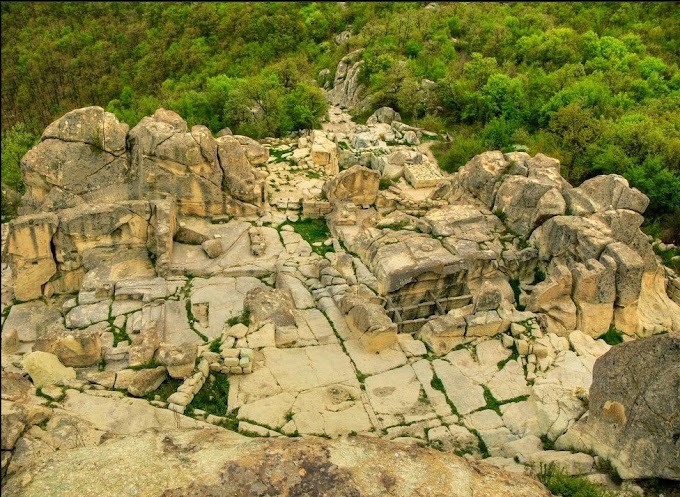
point(595, 84)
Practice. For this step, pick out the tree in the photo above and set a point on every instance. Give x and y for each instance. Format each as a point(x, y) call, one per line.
point(577, 129)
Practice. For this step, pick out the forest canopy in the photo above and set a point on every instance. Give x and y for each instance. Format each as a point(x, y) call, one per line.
point(596, 85)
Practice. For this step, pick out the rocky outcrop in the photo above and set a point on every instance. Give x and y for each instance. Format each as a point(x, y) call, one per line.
point(634, 404)
point(347, 92)
point(89, 156)
point(245, 467)
point(81, 156)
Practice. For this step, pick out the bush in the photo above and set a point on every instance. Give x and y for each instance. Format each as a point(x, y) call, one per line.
point(451, 156)
point(612, 336)
point(563, 485)
point(15, 143)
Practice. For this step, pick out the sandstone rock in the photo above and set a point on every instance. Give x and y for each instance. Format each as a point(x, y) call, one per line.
point(78, 348)
point(82, 153)
point(146, 380)
point(369, 320)
point(255, 152)
point(346, 466)
point(269, 304)
point(605, 192)
point(180, 360)
point(46, 369)
point(30, 255)
point(213, 248)
point(633, 402)
point(528, 202)
point(570, 463)
point(324, 153)
point(15, 387)
point(480, 175)
point(356, 184)
point(239, 178)
point(383, 115)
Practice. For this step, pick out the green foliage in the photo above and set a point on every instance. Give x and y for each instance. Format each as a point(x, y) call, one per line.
point(313, 231)
point(563, 485)
point(212, 398)
point(596, 85)
point(16, 141)
point(612, 336)
point(548, 443)
point(667, 257)
point(451, 156)
point(243, 318)
point(167, 388)
point(215, 345)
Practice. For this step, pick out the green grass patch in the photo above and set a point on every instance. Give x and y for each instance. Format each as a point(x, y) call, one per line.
point(313, 231)
point(167, 388)
point(385, 183)
point(215, 345)
point(212, 398)
point(612, 336)
point(514, 284)
point(231, 421)
point(483, 449)
point(313, 175)
point(243, 319)
point(548, 444)
point(563, 485)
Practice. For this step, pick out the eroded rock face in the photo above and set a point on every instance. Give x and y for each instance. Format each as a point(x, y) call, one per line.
point(347, 92)
point(311, 466)
point(634, 405)
point(83, 154)
point(357, 184)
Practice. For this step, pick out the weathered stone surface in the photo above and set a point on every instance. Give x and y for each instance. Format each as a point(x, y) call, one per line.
point(15, 387)
point(180, 360)
point(528, 202)
point(376, 329)
point(480, 175)
point(356, 184)
point(239, 178)
point(324, 153)
point(78, 348)
point(146, 380)
point(82, 153)
point(606, 192)
point(270, 304)
point(383, 115)
point(46, 369)
point(347, 91)
point(30, 255)
point(255, 151)
point(347, 466)
point(633, 409)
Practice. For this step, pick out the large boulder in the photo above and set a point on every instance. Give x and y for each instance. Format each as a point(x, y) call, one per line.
point(77, 348)
point(172, 463)
point(357, 184)
point(383, 115)
point(82, 153)
point(605, 193)
point(634, 405)
point(46, 369)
